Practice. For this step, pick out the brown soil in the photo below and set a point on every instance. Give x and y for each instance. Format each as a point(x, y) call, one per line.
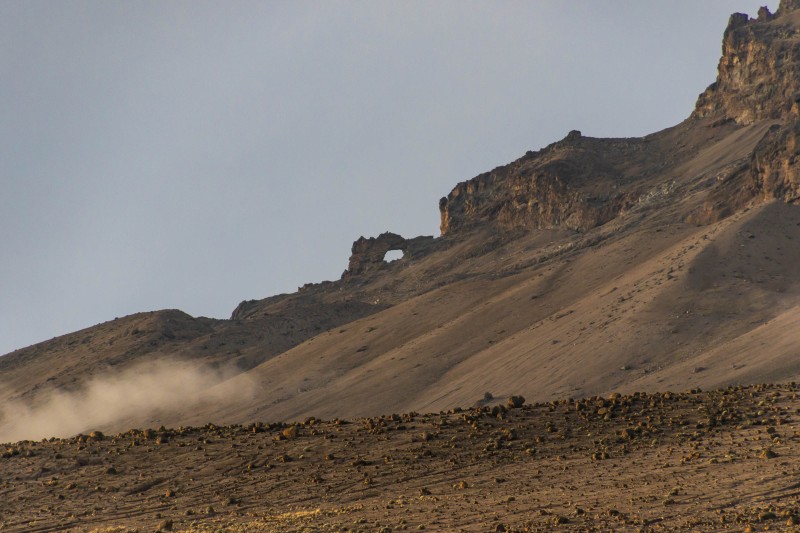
point(702, 461)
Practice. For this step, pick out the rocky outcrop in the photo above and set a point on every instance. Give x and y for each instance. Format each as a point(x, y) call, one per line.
point(771, 173)
point(787, 5)
point(758, 79)
point(369, 254)
point(775, 169)
point(573, 184)
point(759, 71)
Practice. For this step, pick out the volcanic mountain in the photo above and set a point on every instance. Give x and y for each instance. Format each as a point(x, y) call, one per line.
point(592, 265)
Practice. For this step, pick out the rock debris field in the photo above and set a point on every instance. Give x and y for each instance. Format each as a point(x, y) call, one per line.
point(700, 460)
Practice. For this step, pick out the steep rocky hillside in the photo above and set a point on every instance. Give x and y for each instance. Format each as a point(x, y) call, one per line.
point(589, 266)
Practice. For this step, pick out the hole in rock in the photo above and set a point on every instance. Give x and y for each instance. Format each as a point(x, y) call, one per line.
point(393, 255)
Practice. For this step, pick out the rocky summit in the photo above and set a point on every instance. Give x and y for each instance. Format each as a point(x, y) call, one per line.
point(564, 324)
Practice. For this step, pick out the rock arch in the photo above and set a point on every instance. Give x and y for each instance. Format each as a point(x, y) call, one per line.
point(367, 254)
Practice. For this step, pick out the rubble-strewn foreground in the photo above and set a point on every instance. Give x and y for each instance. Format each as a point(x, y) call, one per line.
point(704, 461)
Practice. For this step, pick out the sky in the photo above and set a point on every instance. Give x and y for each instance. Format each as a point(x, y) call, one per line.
point(191, 154)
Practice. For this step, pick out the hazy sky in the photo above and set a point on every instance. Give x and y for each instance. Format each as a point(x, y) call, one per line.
point(191, 155)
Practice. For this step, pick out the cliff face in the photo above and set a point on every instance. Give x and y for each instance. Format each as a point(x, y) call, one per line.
point(775, 170)
point(759, 80)
point(574, 184)
point(759, 71)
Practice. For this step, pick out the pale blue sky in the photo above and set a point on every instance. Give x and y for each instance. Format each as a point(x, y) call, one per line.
point(191, 155)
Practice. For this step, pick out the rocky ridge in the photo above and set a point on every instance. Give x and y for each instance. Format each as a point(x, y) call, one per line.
point(580, 183)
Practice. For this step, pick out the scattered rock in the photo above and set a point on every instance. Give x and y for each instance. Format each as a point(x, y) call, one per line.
point(516, 402)
point(767, 453)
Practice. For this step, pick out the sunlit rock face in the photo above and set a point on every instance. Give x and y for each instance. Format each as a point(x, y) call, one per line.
point(759, 71)
point(576, 183)
point(759, 79)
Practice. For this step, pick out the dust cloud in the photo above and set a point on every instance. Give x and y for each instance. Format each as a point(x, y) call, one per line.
point(120, 401)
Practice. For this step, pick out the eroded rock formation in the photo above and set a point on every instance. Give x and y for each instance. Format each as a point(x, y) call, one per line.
point(776, 168)
point(759, 71)
point(759, 80)
point(573, 184)
point(368, 254)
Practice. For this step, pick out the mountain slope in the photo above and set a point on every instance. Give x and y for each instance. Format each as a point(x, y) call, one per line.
point(592, 265)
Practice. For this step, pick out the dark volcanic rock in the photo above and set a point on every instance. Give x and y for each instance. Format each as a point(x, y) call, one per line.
point(369, 254)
